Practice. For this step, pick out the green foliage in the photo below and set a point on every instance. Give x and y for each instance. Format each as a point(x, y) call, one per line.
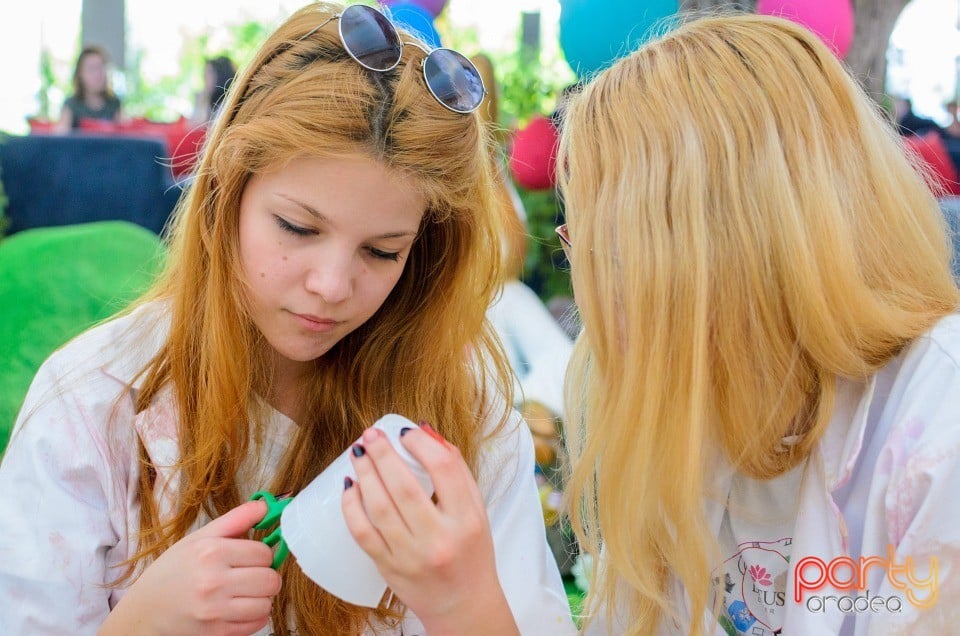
point(172, 96)
point(546, 270)
point(528, 81)
point(528, 84)
point(48, 81)
point(162, 100)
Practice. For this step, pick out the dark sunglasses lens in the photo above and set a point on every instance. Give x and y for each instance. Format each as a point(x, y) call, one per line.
point(453, 80)
point(370, 38)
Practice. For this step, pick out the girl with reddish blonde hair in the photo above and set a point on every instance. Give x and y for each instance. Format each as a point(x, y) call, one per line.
point(332, 262)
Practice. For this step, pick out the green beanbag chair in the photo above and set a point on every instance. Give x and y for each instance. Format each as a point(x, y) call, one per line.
point(55, 282)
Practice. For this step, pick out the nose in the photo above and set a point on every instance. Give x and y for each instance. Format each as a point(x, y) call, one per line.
point(332, 277)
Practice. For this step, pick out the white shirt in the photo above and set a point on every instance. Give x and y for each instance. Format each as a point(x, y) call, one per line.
point(69, 511)
point(536, 345)
point(885, 473)
point(756, 539)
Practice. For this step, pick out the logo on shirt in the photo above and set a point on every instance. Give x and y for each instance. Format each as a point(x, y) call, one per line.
point(752, 584)
point(812, 574)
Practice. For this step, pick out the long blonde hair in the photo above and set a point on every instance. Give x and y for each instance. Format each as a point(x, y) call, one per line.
point(418, 355)
point(746, 229)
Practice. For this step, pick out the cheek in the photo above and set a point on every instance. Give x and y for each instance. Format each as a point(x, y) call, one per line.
point(375, 290)
point(262, 254)
point(387, 286)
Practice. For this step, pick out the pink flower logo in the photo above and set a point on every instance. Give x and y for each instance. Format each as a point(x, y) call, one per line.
point(760, 575)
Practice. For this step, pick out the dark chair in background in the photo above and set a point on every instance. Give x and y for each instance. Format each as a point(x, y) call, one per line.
point(53, 180)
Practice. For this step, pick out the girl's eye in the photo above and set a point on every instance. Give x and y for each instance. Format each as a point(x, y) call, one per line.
point(387, 256)
point(287, 226)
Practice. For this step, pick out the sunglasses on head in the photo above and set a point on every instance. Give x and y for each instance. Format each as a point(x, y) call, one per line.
point(371, 39)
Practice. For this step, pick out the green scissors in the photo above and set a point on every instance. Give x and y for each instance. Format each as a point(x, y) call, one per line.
point(275, 508)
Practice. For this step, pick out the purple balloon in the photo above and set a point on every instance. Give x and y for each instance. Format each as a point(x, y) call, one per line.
point(433, 7)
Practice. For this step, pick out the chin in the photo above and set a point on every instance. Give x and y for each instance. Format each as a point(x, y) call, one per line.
point(305, 350)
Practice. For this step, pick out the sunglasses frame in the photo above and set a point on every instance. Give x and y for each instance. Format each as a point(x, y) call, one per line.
point(565, 243)
point(401, 44)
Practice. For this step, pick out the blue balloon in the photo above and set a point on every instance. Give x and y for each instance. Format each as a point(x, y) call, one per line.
point(595, 34)
point(417, 20)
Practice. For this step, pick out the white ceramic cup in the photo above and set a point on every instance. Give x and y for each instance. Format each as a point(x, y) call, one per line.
point(316, 532)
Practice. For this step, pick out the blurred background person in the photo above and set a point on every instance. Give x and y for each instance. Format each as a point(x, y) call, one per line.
point(92, 98)
point(909, 122)
point(218, 74)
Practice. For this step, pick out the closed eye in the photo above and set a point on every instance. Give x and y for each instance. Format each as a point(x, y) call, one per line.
point(387, 256)
point(296, 230)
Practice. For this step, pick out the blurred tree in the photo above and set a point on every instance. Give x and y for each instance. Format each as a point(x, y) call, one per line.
point(873, 24)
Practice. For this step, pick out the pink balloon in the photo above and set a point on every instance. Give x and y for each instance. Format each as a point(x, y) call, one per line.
point(533, 154)
point(832, 20)
point(433, 7)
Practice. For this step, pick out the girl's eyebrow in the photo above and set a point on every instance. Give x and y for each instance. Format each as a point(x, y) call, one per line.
point(320, 217)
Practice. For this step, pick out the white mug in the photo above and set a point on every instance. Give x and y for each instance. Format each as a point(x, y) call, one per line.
point(314, 529)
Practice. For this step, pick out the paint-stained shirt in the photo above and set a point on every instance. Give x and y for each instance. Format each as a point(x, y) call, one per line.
point(69, 512)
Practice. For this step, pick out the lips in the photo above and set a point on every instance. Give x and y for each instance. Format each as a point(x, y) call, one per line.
point(313, 318)
point(315, 323)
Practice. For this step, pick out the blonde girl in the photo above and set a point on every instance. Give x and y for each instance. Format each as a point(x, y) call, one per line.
point(767, 386)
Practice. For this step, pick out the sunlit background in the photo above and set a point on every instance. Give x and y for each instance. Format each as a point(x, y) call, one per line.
point(922, 58)
point(159, 31)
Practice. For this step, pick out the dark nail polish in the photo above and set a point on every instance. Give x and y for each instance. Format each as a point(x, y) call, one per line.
point(347, 482)
point(404, 431)
point(358, 450)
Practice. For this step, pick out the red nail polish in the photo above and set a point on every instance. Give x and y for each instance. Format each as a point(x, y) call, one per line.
point(432, 433)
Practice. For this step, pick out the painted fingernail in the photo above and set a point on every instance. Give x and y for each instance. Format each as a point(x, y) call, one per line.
point(358, 450)
point(432, 433)
point(347, 482)
point(404, 431)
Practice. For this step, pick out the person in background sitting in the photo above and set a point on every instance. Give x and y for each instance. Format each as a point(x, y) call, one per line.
point(909, 122)
point(92, 96)
point(218, 74)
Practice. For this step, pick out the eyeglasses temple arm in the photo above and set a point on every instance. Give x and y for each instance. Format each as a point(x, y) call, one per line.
point(318, 27)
